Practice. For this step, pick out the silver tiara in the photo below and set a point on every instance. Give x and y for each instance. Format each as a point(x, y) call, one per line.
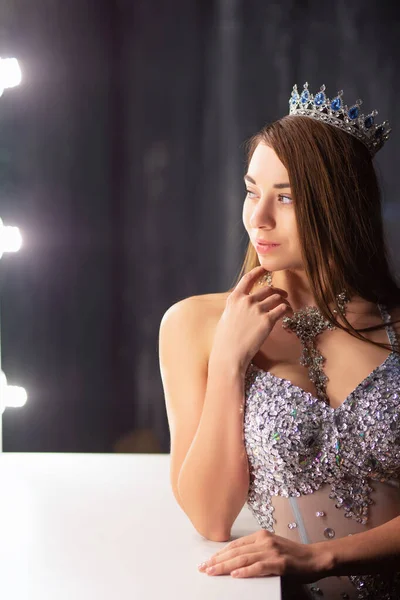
point(363, 127)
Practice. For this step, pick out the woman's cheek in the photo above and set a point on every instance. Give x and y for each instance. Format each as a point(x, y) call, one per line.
point(246, 215)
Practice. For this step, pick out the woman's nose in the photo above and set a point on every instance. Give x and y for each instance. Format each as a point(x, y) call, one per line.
point(262, 215)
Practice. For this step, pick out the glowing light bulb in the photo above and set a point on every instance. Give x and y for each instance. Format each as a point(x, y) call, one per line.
point(11, 396)
point(10, 73)
point(10, 239)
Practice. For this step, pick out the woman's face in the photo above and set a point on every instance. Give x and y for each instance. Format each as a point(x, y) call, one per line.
point(268, 211)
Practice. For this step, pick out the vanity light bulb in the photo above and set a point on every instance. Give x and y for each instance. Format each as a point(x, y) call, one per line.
point(10, 73)
point(11, 396)
point(10, 238)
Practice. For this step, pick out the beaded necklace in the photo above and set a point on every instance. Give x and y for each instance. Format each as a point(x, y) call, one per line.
point(307, 323)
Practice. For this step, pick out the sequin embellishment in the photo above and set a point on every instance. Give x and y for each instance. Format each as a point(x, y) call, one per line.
point(329, 533)
point(296, 444)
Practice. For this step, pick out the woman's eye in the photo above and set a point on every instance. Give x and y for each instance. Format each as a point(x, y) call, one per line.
point(288, 198)
point(251, 194)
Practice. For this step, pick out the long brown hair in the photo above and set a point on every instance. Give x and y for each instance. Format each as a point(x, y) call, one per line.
point(339, 215)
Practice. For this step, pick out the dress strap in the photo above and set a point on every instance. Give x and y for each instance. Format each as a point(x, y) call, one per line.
point(299, 520)
point(391, 333)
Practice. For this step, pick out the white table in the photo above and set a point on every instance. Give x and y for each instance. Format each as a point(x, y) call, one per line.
point(106, 526)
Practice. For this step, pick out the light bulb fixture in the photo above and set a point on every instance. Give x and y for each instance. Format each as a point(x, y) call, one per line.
point(10, 238)
point(10, 241)
point(11, 396)
point(10, 73)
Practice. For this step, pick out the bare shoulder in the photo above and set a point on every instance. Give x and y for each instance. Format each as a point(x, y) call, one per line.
point(208, 302)
point(199, 314)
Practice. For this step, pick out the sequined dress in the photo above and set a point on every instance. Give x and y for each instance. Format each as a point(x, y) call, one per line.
point(319, 473)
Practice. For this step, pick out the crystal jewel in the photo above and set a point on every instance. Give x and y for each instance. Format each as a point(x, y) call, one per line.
point(307, 323)
point(329, 532)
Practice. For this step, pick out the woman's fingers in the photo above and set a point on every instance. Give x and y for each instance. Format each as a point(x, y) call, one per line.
point(264, 291)
point(247, 281)
point(227, 565)
point(242, 541)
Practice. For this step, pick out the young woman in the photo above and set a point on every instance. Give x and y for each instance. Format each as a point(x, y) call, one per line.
point(284, 391)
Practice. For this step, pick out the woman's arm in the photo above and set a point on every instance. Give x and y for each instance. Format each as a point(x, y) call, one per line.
point(214, 479)
point(204, 398)
point(374, 551)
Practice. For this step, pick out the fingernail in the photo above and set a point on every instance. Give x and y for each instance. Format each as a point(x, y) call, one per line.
point(210, 570)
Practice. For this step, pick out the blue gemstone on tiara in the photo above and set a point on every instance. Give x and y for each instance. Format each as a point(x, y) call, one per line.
point(369, 121)
point(305, 95)
point(353, 112)
point(336, 104)
point(333, 112)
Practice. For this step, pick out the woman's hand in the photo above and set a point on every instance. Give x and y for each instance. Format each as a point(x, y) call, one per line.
point(248, 319)
point(264, 554)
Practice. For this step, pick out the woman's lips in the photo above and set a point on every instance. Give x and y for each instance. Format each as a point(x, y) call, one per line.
point(264, 248)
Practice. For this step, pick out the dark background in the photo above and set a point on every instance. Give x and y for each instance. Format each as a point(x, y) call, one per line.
point(121, 160)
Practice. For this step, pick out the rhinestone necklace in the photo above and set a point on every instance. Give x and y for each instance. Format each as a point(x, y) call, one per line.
point(307, 323)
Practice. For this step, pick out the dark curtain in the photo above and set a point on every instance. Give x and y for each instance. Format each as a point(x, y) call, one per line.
point(121, 160)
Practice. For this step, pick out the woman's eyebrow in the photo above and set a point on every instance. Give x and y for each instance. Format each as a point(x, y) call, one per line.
point(278, 186)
